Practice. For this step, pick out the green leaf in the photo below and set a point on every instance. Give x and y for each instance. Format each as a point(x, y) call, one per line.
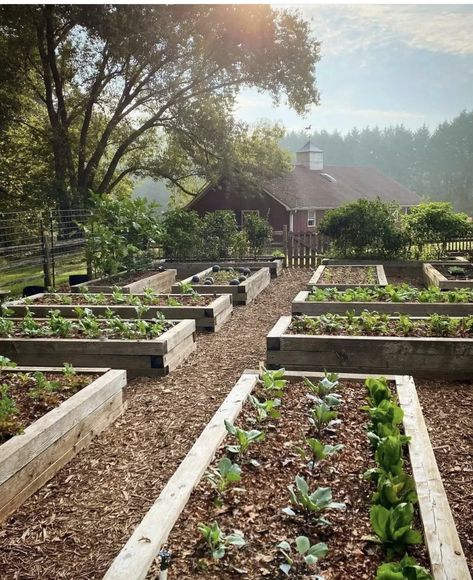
point(302, 544)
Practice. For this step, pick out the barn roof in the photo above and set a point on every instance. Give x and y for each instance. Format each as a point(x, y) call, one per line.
point(335, 185)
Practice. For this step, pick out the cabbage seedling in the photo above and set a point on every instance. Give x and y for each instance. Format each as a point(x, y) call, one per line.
point(217, 541)
point(244, 438)
point(321, 417)
point(318, 451)
point(267, 409)
point(311, 503)
point(223, 475)
point(305, 553)
point(273, 381)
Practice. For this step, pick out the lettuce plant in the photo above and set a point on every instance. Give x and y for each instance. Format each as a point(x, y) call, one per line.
point(305, 553)
point(393, 527)
point(217, 542)
point(392, 490)
point(310, 504)
point(406, 569)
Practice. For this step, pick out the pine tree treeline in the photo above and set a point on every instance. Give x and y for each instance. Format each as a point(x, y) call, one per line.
point(437, 164)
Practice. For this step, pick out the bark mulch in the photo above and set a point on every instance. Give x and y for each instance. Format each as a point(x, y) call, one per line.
point(349, 275)
point(75, 525)
point(448, 410)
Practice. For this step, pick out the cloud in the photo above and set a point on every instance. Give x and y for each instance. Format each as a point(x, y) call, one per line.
point(347, 28)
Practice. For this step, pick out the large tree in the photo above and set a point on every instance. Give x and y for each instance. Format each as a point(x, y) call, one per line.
point(127, 87)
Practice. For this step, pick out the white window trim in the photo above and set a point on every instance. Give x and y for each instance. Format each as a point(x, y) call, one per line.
point(314, 218)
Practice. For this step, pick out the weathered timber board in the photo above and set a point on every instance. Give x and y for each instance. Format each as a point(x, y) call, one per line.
point(158, 281)
point(135, 558)
point(318, 274)
point(242, 294)
point(429, 357)
point(432, 277)
point(28, 460)
point(185, 269)
point(300, 305)
point(138, 357)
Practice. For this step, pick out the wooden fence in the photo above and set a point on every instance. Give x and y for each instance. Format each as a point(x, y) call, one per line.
point(303, 250)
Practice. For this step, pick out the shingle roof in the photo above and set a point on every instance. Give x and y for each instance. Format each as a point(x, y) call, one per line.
point(305, 188)
point(309, 147)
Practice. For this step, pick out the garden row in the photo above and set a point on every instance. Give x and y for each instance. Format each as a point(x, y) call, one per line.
point(49, 409)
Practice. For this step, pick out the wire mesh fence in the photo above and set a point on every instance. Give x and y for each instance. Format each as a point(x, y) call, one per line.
point(40, 247)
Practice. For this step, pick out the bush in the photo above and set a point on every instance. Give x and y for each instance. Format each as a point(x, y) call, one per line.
point(365, 228)
point(435, 222)
point(240, 247)
point(219, 232)
point(259, 233)
point(121, 233)
point(182, 234)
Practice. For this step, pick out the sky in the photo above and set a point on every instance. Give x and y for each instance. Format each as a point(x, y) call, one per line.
point(382, 65)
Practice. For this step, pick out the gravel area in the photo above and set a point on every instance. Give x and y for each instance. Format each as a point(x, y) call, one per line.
point(448, 409)
point(75, 525)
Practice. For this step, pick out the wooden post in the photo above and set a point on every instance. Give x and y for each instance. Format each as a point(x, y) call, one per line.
point(285, 245)
point(46, 255)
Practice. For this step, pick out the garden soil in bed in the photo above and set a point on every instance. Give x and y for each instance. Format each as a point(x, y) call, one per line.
point(466, 275)
point(257, 511)
point(125, 278)
point(349, 275)
point(108, 300)
point(448, 412)
point(76, 524)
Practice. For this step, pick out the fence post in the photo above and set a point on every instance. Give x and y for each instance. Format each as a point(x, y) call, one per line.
point(52, 249)
point(284, 242)
point(46, 254)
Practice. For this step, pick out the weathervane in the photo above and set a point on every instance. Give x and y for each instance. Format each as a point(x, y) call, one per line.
point(308, 128)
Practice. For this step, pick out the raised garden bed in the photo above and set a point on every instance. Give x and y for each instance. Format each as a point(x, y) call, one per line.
point(446, 275)
point(209, 311)
point(253, 505)
point(130, 282)
point(387, 299)
point(143, 348)
point(348, 276)
point(247, 284)
point(29, 459)
point(402, 346)
point(185, 269)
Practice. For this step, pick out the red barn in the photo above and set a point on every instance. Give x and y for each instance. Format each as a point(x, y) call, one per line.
point(300, 199)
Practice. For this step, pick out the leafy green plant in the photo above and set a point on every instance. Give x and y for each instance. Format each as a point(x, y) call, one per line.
point(273, 381)
point(182, 236)
point(305, 553)
point(244, 438)
point(258, 231)
point(172, 301)
point(325, 390)
point(6, 363)
point(43, 387)
point(6, 326)
point(406, 569)
point(58, 325)
point(393, 527)
point(219, 229)
point(29, 326)
point(268, 409)
point(321, 417)
point(68, 370)
point(186, 288)
point(9, 424)
point(317, 451)
point(395, 489)
point(217, 542)
point(224, 475)
point(311, 504)
point(378, 390)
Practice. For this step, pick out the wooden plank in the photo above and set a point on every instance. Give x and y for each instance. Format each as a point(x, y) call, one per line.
point(159, 281)
point(173, 337)
point(446, 555)
point(383, 281)
point(317, 277)
point(432, 277)
point(46, 464)
point(134, 560)
point(273, 338)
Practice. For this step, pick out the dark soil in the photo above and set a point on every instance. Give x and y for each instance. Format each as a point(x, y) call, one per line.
point(448, 411)
point(108, 300)
point(349, 275)
point(32, 402)
point(75, 525)
point(125, 278)
point(257, 510)
point(446, 271)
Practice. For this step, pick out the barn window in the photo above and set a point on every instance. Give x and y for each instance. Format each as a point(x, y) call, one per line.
point(311, 219)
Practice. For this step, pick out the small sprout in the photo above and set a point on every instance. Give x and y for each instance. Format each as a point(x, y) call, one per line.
point(244, 438)
point(318, 451)
point(322, 417)
point(266, 409)
point(305, 554)
point(68, 370)
point(311, 503)
point(273, 381)
point(217, 541)
point(223, 475)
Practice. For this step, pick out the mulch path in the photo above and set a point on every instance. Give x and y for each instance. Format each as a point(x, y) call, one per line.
point(448, 411)
point(75, 525)
point(256, 509)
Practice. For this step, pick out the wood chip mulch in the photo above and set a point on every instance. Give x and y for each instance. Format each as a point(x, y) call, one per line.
point(448, 412)
point(76, 524)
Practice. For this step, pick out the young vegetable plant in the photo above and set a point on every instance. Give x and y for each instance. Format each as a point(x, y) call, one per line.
point(68, 370)
point(325, 390)
point(393, 527)
point(322, 417)
point(406, 569)
point(9, 424)
point(317, 451)
point(244, 438)
point(394, 489)
point(217, 542)
point(273, 381)
point(305, 553)
point(43, 388)
point(265, 409)
point(311, 504)
point(222, 476)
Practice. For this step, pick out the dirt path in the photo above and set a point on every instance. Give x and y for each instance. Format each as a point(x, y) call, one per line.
point(74, 526)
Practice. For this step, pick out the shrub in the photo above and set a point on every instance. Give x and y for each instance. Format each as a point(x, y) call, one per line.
point(121, 233)
point(240, 247)
point(219, 232)
point(435, 222)
point(182, 234)
point(365, 228)
point(259, 233)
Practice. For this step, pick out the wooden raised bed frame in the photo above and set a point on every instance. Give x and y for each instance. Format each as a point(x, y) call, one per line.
point(446, 555)
point(242, 294)
point(151, 358)
point(317, 276)
point(210, 317)
point(432, 277)
point(158, 281)
point(426, 357)
point(29, 460)
point(300, 305)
